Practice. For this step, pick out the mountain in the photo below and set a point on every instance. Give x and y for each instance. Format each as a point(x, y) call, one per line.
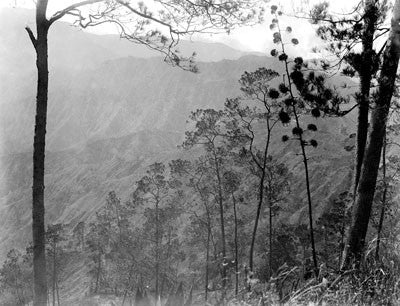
point(78, 179)
point(119, 97)
point(115, 108)
point(78, 49)
point(83, 67)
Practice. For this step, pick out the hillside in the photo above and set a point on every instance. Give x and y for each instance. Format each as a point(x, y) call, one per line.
point(100, 85)
point(110, 116)
point(115, 108)
point(119, 97)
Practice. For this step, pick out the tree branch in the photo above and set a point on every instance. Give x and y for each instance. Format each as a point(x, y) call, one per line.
point(147, 16)
point(31, 36)
point(345, 112)
point(62, 13)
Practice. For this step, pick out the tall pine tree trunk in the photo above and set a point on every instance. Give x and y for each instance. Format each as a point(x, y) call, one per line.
point(236, 246)
point(305, 162)
point(157, 252)
point(270, 235)
point(98, 272)
point(54, 272)
point(260, 194)
point(38, 226)
point(207, 264)
point(256, 220)
point(222, 223)
point(366, 187)
point(370, 20)
point(384, 199)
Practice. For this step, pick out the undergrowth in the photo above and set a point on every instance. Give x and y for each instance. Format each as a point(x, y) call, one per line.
point(377, 283)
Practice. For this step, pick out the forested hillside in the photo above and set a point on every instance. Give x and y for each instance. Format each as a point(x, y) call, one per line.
point(232, 185)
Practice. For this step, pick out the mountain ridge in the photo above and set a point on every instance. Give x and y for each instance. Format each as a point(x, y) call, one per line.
point(109, 117)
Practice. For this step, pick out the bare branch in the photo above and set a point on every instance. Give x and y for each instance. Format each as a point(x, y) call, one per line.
point(72, 7)
point(31, 36)
point(345, 112)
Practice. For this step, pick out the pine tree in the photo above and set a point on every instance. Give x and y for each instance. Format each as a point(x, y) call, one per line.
point(178, 18)
point(306, 92)
point(366, 188)
point(157, 196)
point(243, 119)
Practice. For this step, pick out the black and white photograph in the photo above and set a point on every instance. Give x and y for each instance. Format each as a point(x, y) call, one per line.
point(199, 152)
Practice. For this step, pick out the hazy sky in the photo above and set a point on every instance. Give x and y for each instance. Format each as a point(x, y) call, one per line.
point(256, 38)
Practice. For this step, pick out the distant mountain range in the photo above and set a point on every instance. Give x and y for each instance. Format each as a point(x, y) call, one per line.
point(115, 107)
point(102, 85)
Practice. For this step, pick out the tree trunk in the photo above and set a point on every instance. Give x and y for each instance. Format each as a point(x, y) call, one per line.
point(96, 289)
point(157, 251)
point(222, 223)
point(38, 224)
point(371, 16)
point(307, 176)
point(54, 272)
point(366, 188)
point(207, 262)
point(270, 235)
point(58, 293)
point(20, 296)
point(129, 283)
point(383, 203)
point(342, 238)
point(260, 195)
point(258, 213)
point(310, 214)
point(236, 247)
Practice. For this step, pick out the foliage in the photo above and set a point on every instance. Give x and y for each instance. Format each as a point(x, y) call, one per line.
point(16, 278)
point(57, 258)
point(189, 223)
point(343, 35)
point(160, 25)
point(331, 229)
point(161, 203)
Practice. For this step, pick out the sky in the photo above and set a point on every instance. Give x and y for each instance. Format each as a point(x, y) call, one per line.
point(257, 38)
